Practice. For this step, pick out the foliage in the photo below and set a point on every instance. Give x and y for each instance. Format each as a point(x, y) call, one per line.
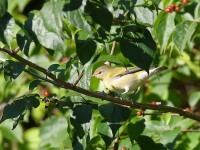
point(68, 39)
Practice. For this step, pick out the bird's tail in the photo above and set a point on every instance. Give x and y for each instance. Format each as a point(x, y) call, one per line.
point(158, 69)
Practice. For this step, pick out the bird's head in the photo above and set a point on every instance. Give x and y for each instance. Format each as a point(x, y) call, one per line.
point(101, 72)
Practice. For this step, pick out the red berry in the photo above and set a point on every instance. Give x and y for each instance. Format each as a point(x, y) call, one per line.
point(173, 6)
point(153, 102)
point(139, 112)
point(46, 93)
point(187, 109)
point(122, 22)
point(123, 148)
point(184, 2)
point(177, 8)
point(167, 10)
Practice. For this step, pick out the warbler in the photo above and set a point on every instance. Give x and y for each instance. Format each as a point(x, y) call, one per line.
point(124, 80)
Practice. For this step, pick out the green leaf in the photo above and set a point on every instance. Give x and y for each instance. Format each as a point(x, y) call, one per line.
point(6, 29)
point(197, 12)
point(194, 99)
point(100, 14)
point(135, 129)
point(53, 132)
point(23, 42)
point(104, 129)
point(1, 67)
point(143, 14)
point(13, 110)
point(80, 21)
point(3, 7)
point(80, 119)
point(114, 113)
point(138, 46)
point(51, 14)
point(146, 142)
point(169, 136)
point(34, 84)
point(72, 5)
point(85, 46)
point(166, 118)
point(96, 143)
point(19, 105)
point(32, 100)
point(163, 28)
point(40, 32)
point(183, 33)
point(12, 69)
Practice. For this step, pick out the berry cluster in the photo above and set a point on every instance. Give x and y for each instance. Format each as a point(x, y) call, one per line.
point(174, 7)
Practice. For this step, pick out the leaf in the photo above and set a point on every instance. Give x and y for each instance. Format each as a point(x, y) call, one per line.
point(23, 42)
point(34, 84)
point(143, 14)
point(194, 99)
point(12, 69)
point(85, 46)
point(1, 67)
point(163, 28)
point(104, 129)
point(32, 100)
point(96, 143)
point(146, 142)
point(135, 129)
point(6, 29)
point(40, 33)
point(80, 21)
point(166, 118)
point(114, 113)
point(13, 110)
point(169, 136)
point(183, 33)
point(19, 105)
point(100, 14)
point(51, 14)
point(72, 5)
point(81, 116)
point(3, 7)
point(53, 132)
point(138, 46)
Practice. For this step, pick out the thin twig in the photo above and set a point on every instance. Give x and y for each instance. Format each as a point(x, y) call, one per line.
point(42, 78)
point(109, 98)
point(78, 79)
point(185, 131)
point(16, 50)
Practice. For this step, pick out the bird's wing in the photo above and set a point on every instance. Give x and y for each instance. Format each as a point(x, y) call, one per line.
point(124, 71)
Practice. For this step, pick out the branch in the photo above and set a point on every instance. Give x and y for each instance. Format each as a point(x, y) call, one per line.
point(118, 101)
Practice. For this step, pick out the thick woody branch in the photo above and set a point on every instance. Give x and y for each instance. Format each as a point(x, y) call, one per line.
point(118, 101)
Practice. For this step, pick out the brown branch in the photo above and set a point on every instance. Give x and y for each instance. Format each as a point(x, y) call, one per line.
point(109, 98)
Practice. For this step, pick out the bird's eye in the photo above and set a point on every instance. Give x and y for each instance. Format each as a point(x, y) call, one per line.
point(100, 72)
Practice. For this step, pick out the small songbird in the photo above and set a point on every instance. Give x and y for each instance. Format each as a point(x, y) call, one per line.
point(124, 80)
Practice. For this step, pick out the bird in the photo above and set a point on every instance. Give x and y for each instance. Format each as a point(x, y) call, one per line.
point(124, 79)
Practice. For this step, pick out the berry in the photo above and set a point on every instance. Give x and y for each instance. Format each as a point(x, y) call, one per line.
point(154, 103)
point(167, 10)
point(122, 22)
point(177, 8)
point(46, 93)
point(173, 6)
point(184, 2)
point(139, 112)
point(187, 109)
point(123, 148)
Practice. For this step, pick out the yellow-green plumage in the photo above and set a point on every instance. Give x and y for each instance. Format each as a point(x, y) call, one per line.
point(123, 80)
